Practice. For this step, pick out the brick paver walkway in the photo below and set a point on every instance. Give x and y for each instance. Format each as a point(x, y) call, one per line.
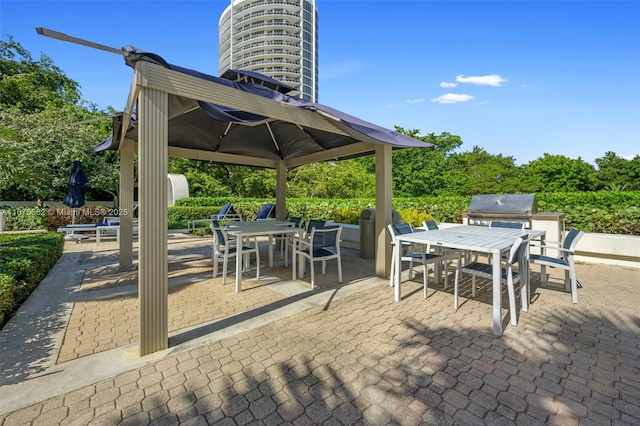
point(364, 359)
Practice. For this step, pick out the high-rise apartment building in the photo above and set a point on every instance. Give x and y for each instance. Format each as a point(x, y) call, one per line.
point(277, 38)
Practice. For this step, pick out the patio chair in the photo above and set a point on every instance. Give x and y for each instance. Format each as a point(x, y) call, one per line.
point(502, 224)
point(430, 225)
point(518, 254)
point(286, 240)
point(268, 211)
point(565, 261)
point(323, 244)
point(225, 247)
point(412, 255)
point(227, 213)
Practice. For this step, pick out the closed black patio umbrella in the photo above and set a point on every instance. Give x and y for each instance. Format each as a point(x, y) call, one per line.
point(77, 181)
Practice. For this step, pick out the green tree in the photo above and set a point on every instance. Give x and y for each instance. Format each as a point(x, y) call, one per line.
point(341, 179)
point(478, 172)
point(47, 146)
point(38, 106)
point(421, 171)
point(617, 173)
point(32, 86)
point(557, 173)
point(9, 155)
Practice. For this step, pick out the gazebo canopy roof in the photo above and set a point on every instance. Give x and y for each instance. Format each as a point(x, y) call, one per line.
point(288, 128)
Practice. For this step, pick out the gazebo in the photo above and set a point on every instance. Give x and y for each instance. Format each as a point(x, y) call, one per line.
point(245, 119)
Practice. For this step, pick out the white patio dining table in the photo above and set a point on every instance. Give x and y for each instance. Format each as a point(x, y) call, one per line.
point(493, 241)
point(257, 228)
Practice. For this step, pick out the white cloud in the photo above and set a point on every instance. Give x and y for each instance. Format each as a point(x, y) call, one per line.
point(452, 98)
point(485, 80)
point(447, 84)
point(415, 101)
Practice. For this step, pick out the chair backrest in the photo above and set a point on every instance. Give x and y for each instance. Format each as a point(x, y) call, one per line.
point(521, 251)
point(318, 224)
point(430, 225)
point(326, 237)
point(516, 251)
point(400, 229)
point(218, 233)
point(267, 211)
point(297, 221)
point(224, 211)
point(111, 220)
point(502, 224)
point(571, 239)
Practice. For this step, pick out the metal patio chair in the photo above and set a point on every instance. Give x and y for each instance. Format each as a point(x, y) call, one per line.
point(565, 261)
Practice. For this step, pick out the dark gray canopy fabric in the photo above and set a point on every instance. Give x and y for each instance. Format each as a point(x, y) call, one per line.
point(205, 126)
point(254, 77)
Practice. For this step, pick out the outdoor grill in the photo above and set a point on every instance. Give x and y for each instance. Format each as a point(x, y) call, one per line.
point(503, 207)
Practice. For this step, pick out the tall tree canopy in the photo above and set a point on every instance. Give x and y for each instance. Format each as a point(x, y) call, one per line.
point(617, 173)
point(39, 105)
point(38, 143)
point(557, 173)
point(32, 86)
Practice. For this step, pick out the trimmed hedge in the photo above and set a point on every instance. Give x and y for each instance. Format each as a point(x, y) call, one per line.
point(601, 212)
point(35, 218)
point(25, 259)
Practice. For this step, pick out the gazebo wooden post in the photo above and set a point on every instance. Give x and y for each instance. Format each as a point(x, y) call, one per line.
point(383, 209)
point(153, 288)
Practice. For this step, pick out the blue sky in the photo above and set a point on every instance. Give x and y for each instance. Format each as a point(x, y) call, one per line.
point(517, 78)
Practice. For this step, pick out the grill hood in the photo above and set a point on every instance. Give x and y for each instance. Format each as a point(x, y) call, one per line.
point(523, 205)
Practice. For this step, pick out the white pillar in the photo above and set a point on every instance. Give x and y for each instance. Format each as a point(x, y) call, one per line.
point(153, 288)
point(383, 210)
point(125, 205)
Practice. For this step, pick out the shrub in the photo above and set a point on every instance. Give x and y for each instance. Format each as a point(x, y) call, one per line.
point(25, 259)
point(181, 214)
point(24, 218)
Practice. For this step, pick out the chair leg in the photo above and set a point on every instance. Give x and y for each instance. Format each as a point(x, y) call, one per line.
point(286, 253)
point(455, 290)
point(425, 279)
point(512, 298)
point(313, 275)
point(446, 274)
point(393, 265)
point(574, 283)
point(525, 287)
point(301, 266)
point(215, 265)
point(293, 264)
point(339, 269)
point(258, 259)
point(473, 285)
point(224, 269)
